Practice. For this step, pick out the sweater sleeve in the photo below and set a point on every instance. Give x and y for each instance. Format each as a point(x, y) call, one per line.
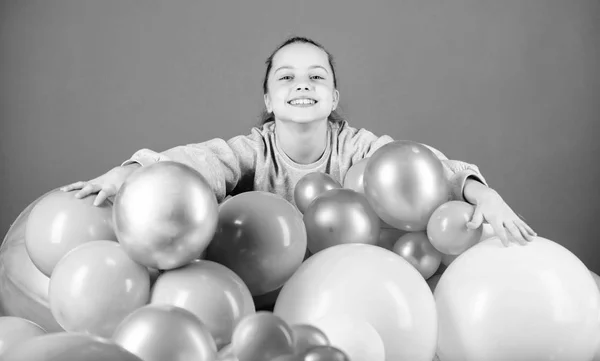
point(222, 163)
point(358, 144)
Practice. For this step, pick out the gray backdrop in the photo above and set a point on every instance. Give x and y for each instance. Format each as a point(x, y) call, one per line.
point(512, 86)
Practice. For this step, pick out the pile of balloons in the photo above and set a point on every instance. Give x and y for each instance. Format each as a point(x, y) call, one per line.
point(351, 272)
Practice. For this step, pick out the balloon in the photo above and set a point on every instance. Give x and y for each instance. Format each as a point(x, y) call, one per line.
point(357, 338)
point(261, 237)
point(165, 214)
point(340, 216)
point(388, 237)
point(448, 258)
point(64, 346)
point(325, 353)
point(418, 251)
point(60, 222)
point(517, 303)
point(14, 330)
point(163, 332)
point(405, 182)
point(447, 228)
point(226, 354)
point(354, 178)
point(211, 291)
point(23, 287)
point(95, 286)
point(311, 186)
point(306, 337)
point(371, 284)
point(262, 336)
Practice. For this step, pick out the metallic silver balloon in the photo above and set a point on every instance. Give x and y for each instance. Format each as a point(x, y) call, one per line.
point(165, 215)
point(340, 216)
point(163, 332)
point(311, 186)
point(354, 178)
point(405, 182)
point(418, 251)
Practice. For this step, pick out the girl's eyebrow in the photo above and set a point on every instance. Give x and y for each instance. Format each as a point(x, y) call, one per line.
point(285, 67)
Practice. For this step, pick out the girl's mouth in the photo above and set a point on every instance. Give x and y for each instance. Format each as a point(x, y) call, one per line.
point(302, 102)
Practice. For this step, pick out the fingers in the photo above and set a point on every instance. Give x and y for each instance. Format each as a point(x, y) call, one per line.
point(500, 232)
point(73, 186)
point(515, 232)
point(103, 195)
point(527, 232)
point(477, 219)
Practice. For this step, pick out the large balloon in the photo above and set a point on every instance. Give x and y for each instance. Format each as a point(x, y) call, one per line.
point(405, 183)
point(95, 286)
point(261, 237)
point(165, 215)
point(211, 291)
point(64, 346)
point(23, 287)
point(163, 332)
point(418, 251)
point(340, 216)
point(60, 222)
point(14, 330)
point(371, 284)
point(447, 228)
point(533, 302)
point(262, 336)
point(311, 186)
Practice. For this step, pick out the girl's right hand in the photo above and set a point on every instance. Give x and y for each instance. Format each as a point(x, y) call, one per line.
point(107, 185)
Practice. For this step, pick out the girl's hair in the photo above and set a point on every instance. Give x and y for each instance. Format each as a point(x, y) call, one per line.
point(266, 116)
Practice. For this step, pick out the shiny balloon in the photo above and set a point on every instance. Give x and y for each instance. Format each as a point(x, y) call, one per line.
point(306, 337)
point(531, 299)
point(163, 332)
point(165, 215)
point(261, 237)
point(311, 186)
point(405, 183)
point(325, 353)
point(23, 287)
point(262, 336)
point(418, 251)
point(340, 216)
point(211, 291)
point(14, 330)
point(388, 237)
point(95, 286)
point(60, 222)
point(64, 346)
point(354, 178)
point(447, 228)
point(371, 284)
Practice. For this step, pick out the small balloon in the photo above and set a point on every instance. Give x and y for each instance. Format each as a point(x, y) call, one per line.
point(325, 353)
point(262, 336)
point(340, 216)
point(388, 237)
point(306, 337)
point(164, 332)
point(14, 330)
point(311, 186)
point(447, 228)
point(405, 182)
point(418, 251)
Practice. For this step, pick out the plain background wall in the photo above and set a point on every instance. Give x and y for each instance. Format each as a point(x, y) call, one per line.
point(512, 86)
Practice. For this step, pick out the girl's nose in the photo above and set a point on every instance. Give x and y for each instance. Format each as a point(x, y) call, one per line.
point(302, 87)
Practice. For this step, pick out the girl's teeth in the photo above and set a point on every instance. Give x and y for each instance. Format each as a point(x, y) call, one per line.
point(302, 102)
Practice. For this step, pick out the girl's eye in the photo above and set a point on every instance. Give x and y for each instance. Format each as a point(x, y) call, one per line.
point(317, 77)
point(286, 77)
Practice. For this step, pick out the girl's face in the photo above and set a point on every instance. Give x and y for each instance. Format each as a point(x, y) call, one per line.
point(300, 84)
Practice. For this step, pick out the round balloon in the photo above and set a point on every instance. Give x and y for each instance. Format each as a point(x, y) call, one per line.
point(163, 332)
point(306, 337)
point(211, 291)
point(530, 299)
point(14, 330)
point(405, 182)
point(447, 228)
point(388, 237)
point(95, 286)
point(371, 284)
point(418, 251)
point(325, 353)
point(165, 215)
point(261, 237)
point(340, 216)
point(64, 346)
point(262, 336)
point(60, 222)
point(354, 178)
point(311, 186)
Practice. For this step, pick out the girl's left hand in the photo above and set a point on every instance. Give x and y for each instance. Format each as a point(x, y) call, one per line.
point(505, 222)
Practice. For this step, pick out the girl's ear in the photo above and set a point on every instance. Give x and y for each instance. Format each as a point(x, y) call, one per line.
point(336, 99)
point(268, 103)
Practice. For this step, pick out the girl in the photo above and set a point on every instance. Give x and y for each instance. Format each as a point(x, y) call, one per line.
point(302, 133)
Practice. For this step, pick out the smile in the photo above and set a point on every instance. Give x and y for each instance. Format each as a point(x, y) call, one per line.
point(304, 102)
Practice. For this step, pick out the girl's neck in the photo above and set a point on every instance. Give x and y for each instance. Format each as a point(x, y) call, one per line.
point(303, 143)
